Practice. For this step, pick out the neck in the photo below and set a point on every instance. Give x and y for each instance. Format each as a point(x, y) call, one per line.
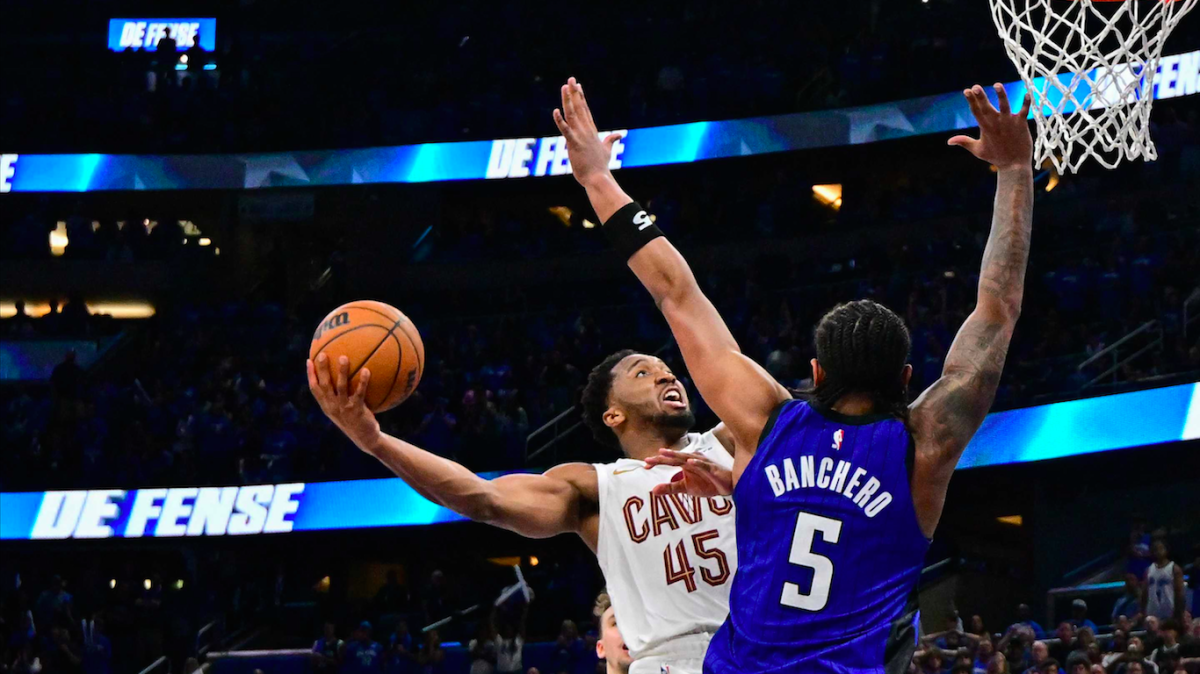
point(854, 404)
point(642, 444)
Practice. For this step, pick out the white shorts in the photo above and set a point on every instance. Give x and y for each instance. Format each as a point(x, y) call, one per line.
point(682, 655)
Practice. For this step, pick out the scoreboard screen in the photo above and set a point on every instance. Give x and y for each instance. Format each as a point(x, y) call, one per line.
point(145, 33)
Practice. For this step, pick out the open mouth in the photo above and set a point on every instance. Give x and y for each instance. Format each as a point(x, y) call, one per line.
point(673, 397)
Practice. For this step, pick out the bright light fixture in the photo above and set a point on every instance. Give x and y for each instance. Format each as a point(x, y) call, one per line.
point(118, 309)
point(830, 195)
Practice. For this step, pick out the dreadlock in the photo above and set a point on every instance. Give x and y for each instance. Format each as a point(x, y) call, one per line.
point(863, 347)
point(595, 398)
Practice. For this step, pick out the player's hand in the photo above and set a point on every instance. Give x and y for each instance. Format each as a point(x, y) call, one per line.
point(1004, 140)
point(347, 409)
point(698, 477)
point(588, 154)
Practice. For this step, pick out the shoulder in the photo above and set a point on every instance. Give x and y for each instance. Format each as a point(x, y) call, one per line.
point(724, 437)
point(581, 476)
point(573, 472)
point(718, 445)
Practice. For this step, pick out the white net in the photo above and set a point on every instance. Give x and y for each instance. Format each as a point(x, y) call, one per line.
point(1089, 66)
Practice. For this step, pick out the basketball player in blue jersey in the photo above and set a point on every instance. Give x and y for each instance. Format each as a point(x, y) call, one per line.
point(839, 493)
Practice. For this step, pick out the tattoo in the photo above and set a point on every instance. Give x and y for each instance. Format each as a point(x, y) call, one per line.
point(949, 412)
point(1002, 276)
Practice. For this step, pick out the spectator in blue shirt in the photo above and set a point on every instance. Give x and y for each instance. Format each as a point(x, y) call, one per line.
point(1130, 603)
point(362, 656)
point(1025, 619)
point(1079, 617)
point(401, 655)
point(568, 649)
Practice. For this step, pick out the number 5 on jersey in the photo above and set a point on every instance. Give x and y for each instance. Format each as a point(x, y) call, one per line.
point(807, 525)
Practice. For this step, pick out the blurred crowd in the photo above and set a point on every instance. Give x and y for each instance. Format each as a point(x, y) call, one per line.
point(1077, 646)
point(461, 618)
point(217, 393)
point(365, 75)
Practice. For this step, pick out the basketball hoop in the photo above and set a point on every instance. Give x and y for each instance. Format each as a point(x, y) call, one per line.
point(1089, 66)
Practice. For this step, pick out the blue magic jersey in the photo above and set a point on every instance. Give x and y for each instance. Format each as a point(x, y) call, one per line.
point(829, 549)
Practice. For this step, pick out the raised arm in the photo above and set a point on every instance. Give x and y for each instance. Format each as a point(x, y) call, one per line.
point(537, 506)
point(737, 389)
point(948, 413)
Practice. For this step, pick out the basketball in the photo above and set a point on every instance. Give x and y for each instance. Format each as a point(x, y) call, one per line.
point(379, 337)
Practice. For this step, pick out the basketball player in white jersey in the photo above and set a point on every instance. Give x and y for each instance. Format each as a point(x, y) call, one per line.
point(1163, 589)
point(667, 560)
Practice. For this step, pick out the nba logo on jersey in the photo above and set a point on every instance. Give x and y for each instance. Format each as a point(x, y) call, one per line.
point(837, 438)
point(664, 669)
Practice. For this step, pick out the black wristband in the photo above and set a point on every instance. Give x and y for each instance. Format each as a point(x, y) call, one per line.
point(630, 228)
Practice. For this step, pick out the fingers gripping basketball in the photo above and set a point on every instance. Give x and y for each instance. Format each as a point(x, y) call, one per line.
point(380, 338)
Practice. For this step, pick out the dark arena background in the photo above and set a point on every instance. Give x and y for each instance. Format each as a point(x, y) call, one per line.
point(173, 225)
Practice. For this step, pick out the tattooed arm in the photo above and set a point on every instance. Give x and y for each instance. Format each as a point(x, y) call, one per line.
point(946, 416)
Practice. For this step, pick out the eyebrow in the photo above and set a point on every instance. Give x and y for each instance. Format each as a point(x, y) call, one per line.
point(635, 363)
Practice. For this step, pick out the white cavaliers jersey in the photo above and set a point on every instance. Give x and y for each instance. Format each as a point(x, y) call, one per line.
point(668, 560)
point(1160, 591)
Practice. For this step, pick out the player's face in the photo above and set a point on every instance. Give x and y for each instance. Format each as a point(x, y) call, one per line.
point(645, 388)
point(611, 646)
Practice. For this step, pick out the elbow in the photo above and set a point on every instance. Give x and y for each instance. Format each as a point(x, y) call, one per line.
point(478, 506)
point(1012, 310)
point(1000, 310)
point(484, 509)
point(671, 292)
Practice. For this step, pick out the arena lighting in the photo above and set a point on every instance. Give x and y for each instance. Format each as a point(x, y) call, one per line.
point(527, 158)
point(112, 583)
point(205, 241)
point(830, 195)
point(179, 584)
point(1072, 428)
point(588, 224)
point(533, 561)
point(146, 583)
point(1014, 520)
point(562, 213)
point(58, 239)
point(116, 309)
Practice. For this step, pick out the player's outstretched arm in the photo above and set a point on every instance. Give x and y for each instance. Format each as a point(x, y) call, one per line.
point(537, 506)
point(947, 414)
point(741, 392)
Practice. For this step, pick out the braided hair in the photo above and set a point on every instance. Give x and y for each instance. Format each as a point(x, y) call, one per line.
point(863, 347)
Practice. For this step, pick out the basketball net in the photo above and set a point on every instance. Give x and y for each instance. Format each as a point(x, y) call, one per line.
point(1089, 66)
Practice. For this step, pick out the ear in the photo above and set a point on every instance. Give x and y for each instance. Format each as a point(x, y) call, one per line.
point(906, 375)
point(818, 372)
point(613, 417)
point(600, 646)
